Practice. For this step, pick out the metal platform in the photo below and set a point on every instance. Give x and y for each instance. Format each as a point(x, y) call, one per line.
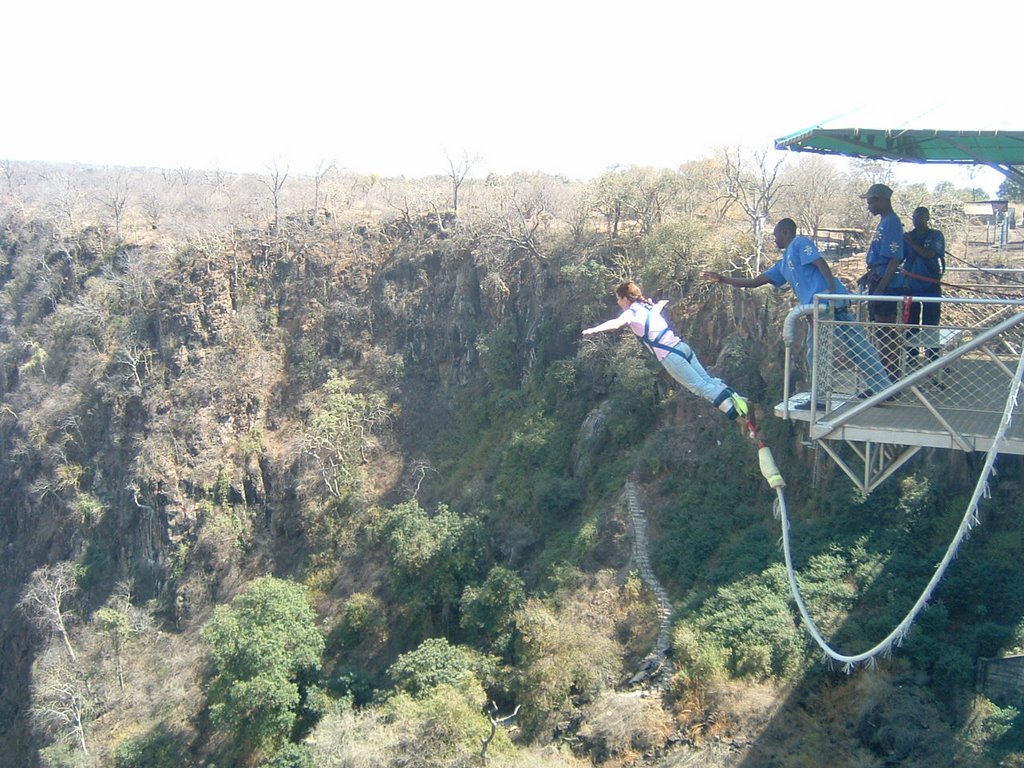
point(956, 401)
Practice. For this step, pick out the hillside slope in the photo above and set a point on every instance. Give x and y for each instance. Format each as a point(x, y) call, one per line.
point(396, 411)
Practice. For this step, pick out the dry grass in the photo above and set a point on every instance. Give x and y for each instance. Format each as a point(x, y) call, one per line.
point(163, 685)
point(621, 725)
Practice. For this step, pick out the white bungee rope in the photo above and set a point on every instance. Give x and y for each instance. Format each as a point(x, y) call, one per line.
point(970, 520)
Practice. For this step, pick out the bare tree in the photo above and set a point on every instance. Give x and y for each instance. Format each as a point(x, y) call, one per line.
point(152, 208)
point(812, 186)
point(115, 199)
point(397, 198)
point(43, 601)
point(274, 184)
point(60, 700)
point(416, 475)
point(702, 190)
point(323, 170)
point(457, 172)
point(67, 202)
point(491, 710)
point(134, 360)
point(523, 219)
point(755, 185)
point(186, 176)
point(10, 175)
point(577, 209)
point(647, 195)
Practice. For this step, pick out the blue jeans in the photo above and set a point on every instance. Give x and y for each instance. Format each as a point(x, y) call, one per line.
point(687, 370)
point(857, 348)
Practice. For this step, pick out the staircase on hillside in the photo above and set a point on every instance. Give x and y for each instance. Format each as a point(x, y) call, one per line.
point(655, 667)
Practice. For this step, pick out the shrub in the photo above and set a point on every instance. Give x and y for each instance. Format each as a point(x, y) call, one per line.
point(433, 663)
point(699, 663)
point(160, 748)
point(748, 622)
point(562, 658)
point(444, 728)
point(363, 620)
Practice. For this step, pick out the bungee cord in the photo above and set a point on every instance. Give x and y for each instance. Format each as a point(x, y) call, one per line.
point(982, 270)
point(969, 521)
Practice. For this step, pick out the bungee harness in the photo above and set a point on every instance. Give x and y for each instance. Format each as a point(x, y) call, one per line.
point(656, 342)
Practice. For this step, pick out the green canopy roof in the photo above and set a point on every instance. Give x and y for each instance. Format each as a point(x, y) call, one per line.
point(1000, 150)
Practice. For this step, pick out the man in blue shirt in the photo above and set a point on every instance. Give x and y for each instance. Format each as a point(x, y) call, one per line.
point(923, 265)
point(804, 269)
point(884, 256)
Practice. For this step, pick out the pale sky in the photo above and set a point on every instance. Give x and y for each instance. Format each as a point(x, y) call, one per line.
point(561, 86)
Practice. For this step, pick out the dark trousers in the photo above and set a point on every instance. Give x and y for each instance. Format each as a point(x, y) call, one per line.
point(922, 313)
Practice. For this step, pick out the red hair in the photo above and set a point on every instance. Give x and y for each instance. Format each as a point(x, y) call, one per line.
point(630, 290)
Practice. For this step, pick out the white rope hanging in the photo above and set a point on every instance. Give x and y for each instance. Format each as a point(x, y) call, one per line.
point(970, 520)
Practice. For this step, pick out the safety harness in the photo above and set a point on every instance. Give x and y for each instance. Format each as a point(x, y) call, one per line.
point(656, 342)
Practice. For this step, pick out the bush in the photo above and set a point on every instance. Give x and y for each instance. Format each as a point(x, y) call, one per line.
point(442, 729)
point(434, 663)
point(699, 663)
point(750, 624)
point(363, 620)
point(160, 748)
point(349, 738)
point(291, 756)
point(562, 658)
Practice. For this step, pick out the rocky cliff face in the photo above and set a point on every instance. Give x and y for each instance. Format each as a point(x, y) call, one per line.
point(151, 389)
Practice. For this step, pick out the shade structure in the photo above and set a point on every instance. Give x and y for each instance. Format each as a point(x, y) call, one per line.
point(1001, 150)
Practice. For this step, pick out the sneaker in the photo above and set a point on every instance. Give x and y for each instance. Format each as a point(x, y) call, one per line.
point(740, 404)
point(806, 406)
point(868, 393)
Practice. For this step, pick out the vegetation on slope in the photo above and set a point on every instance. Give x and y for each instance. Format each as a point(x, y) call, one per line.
point(337, 484)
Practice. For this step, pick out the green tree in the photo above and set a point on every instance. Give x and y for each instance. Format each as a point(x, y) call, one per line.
point(433, 663)
point(489, 610)
point(261, 644)
point(117, 624)
point(434, 557)
point(1011, 189)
